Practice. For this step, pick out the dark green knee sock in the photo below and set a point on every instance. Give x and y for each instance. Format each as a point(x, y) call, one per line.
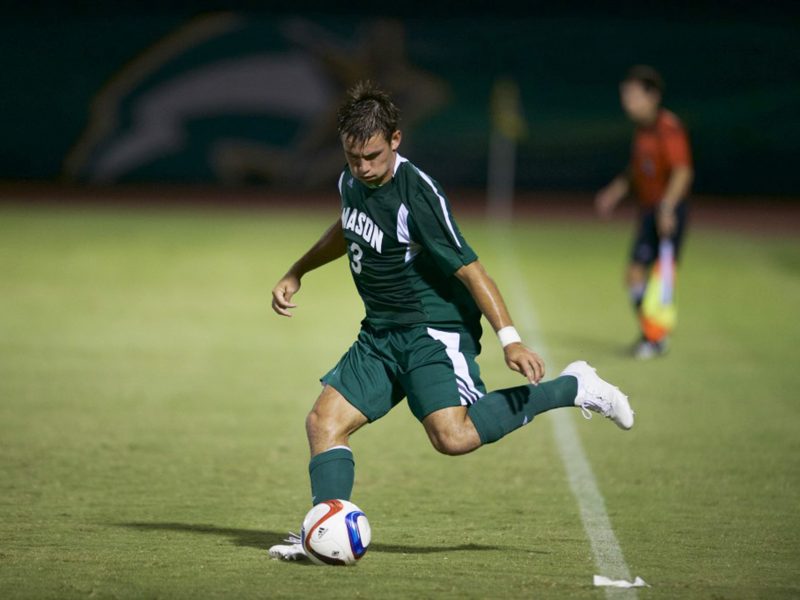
point(332, 473)
point(501, 412)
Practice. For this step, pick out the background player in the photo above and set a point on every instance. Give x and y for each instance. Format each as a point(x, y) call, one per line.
point(424, 291)
point(659, 176)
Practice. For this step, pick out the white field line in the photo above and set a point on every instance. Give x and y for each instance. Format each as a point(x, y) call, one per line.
point(607, 553)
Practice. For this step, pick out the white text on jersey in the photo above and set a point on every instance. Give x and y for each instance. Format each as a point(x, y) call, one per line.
point(359, 223)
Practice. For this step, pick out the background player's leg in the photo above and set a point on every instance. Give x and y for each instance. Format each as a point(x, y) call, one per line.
point(636, 282)
point(329, 425)
point(643, 252)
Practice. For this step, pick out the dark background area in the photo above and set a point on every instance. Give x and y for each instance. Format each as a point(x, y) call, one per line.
point(732, 72)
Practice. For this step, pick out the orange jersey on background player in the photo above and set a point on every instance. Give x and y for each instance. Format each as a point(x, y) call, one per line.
point(656, 151)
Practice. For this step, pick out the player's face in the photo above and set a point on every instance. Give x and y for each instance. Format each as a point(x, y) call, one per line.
point(373, 162)
point(639, 104)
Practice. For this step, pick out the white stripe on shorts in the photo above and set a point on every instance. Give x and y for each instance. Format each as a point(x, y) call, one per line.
point(466, 386)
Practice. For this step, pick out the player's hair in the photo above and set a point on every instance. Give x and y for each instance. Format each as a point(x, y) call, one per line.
point(367, 110)
point(650, 79)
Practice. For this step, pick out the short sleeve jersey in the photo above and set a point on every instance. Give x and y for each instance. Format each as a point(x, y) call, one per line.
point(656, 151)
point(404, 247)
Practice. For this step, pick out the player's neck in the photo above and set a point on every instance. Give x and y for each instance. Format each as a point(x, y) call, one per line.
point(651, 119)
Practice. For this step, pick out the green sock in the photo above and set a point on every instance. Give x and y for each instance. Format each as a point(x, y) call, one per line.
point(501, 412)
point(332, 473)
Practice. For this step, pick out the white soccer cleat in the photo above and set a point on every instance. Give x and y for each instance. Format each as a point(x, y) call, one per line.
point(291, 551)
point(599, 396)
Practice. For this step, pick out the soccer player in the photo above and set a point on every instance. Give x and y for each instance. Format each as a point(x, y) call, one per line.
point(424, 291)
point(659, 176)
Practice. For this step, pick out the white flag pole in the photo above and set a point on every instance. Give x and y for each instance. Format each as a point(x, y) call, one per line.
point(508, 127)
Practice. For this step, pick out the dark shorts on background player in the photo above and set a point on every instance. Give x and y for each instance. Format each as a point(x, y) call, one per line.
point(645, 243)
point(433, 368)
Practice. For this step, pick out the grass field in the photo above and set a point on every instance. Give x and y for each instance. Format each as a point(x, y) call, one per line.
point(152, 406)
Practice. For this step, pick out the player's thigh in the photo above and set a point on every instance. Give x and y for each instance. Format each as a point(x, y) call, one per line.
point(442, 372)
point(644, 248)
point(365, 379)
point(333, 416)
point(681, 222)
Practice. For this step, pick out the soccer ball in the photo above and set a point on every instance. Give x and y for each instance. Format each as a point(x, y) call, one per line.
point(335, 532)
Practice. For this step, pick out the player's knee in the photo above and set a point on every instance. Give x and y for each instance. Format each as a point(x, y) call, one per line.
point(451, 432)
point(322, 428)
point(449, 441)
point(635, 275)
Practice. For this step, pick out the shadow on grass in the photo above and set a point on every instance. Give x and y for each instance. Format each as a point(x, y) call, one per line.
point(262, 540)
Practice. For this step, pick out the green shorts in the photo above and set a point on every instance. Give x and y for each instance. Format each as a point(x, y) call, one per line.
point(433, 368)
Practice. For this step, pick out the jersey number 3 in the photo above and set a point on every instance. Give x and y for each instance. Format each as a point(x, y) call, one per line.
point(356, 254)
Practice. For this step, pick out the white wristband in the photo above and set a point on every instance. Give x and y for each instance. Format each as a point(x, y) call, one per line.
point(508, 335)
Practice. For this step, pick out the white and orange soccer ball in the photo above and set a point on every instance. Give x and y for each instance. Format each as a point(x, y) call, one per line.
point(335, 532)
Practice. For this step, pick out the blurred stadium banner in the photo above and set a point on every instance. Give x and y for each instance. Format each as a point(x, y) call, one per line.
point(249, 98)
point(226, 99)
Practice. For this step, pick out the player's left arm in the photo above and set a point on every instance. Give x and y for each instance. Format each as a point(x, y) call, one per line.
point(518, 357)
point(327, 249)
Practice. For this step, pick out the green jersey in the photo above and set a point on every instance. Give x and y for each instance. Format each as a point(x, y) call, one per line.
point(404, 247)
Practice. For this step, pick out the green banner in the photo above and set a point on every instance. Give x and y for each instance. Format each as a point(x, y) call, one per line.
point(239, 99)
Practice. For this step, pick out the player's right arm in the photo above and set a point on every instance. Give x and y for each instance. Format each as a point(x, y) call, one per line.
point(608, 197)
point(327, 249)
point(484, 291)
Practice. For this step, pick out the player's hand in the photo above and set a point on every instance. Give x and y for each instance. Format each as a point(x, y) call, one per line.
point(524, 360)
point(605, 201)
point(282, 294)
point(666, 222)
